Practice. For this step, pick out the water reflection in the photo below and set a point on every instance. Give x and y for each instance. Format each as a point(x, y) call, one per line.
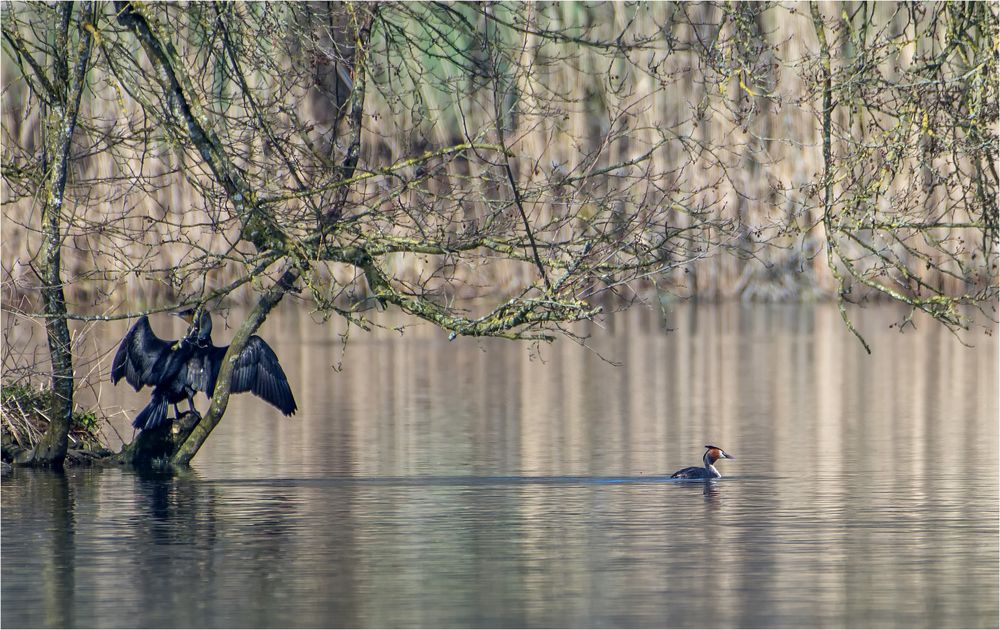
point(480, 484)
point(711, 493)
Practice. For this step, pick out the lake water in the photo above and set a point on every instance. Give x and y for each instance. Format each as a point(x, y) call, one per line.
point(465, 483)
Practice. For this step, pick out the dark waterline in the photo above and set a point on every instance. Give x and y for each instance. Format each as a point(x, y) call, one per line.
point(484, 484)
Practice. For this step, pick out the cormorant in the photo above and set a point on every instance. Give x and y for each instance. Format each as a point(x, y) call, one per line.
point(178, 369)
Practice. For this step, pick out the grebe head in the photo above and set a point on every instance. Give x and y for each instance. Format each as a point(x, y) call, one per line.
point(714, 453)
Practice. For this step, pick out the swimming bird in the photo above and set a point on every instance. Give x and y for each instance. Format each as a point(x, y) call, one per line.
point(178, 369)
point(708, 471)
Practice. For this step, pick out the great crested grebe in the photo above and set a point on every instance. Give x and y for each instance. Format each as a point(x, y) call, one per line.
point(708, 471)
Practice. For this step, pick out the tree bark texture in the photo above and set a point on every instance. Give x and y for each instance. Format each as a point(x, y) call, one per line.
point(220, 399)
point(64, 107)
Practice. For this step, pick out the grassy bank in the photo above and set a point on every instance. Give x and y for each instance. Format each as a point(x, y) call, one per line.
point(24, 413)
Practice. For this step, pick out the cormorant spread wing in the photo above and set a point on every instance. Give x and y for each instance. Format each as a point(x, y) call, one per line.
point(141, 356)
point(257, 370)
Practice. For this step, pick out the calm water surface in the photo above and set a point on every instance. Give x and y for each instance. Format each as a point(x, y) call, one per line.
point(429, 483)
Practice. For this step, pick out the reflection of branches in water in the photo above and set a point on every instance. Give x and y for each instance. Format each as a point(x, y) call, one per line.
point(63, 556)
point(180, 510)
point(185, 510)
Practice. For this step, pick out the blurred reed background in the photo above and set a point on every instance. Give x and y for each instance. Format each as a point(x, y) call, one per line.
point(729, 126)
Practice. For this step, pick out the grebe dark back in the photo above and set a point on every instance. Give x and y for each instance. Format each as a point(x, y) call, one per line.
point(712, 455)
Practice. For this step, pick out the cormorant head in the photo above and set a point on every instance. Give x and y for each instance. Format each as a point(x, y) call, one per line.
point(714, 453)
point(186, 314)
point(200, 324)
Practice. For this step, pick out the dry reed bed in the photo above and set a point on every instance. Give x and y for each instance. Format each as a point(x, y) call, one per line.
point(754, 164)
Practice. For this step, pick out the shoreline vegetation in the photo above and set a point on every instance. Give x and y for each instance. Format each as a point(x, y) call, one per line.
point(24, 422)
point(23, 413)
point(547, 162)
point(24, 410)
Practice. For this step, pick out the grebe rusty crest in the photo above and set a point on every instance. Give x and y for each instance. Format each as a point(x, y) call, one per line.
point(712, 455)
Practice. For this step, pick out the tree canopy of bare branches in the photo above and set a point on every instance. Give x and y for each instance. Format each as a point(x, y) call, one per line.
point(544, 157)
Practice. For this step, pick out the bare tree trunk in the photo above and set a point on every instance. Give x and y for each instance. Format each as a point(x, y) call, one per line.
point(220, 399)
point(59, 128)
point(173, 83)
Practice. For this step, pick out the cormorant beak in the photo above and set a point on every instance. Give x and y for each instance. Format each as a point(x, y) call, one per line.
point(187, 315)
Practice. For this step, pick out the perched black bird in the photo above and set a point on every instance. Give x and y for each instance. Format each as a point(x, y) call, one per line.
point(178, 369)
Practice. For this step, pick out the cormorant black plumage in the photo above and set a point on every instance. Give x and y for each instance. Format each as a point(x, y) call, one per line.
point(178, 369)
